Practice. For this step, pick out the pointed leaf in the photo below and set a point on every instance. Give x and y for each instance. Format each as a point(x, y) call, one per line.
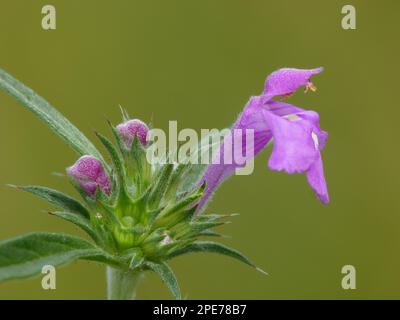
point(79, 221)
point(175, 214)
point(48, 114)
point(124, 113)
point(201, 226)
point(115, 157)
point(26, 255)
point(121, 145)
point(137, 258)
point(160, 185)
point(58, 199)
point(215, 247)
point(139, 167)
point(185, 202)
point(209, 233)
point(176, 176)
point(167, 275)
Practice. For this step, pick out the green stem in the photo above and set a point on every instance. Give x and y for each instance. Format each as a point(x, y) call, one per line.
point(122, 284)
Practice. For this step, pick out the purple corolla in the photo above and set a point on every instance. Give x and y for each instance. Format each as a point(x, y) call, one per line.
point(131, 128)
point(298, 139)
point(89, 173)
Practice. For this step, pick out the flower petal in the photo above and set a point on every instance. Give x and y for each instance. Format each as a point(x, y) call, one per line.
point(313, 118)
point(282, 108)
point(297, 145)
point(297, 135)
point(294, 148)
point(316, 179)
point(250, 118)
point(287, 80)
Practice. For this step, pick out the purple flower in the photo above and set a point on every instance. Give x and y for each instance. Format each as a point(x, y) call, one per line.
point(286, 81)
point(89, 173)
point(129, 129)
point(297, 137)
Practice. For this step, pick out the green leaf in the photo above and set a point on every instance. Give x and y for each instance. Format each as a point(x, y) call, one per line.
point(198, 227)
point(138, 166)
point(120, 143)
point(137, 258)
point(175, 180)
point(58, 199)
point(124, 113)
point(48, 114)
point(183, 203)
point(214, 247)
point(209, 233)
point(25, 256)
point(176, 213)
point(115, 157)
point(79, 221)
point(214, 216)
point(191, 178)
point(160, 185)
point(167, 275)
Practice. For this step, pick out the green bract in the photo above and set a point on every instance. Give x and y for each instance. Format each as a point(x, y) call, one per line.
point(149, 217)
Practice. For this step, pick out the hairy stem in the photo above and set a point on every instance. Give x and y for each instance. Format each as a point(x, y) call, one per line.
point(122, 284)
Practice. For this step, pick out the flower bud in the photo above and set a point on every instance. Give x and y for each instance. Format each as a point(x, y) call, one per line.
point(89, 173)
point(128, 130)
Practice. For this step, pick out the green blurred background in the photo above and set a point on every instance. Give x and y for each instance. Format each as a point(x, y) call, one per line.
point(198, 62)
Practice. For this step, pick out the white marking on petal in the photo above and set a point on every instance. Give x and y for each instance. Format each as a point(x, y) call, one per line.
point(315, 139)
point(292, 117)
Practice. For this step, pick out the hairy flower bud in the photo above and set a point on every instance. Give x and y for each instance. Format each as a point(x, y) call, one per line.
point(129, 129)
point(89, 173)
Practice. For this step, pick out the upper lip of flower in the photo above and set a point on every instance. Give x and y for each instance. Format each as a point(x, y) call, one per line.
point(298, 139)
point(286, 81)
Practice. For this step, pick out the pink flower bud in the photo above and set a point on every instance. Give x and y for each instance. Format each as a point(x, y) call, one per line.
point(128, 130)
point(89, 173)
